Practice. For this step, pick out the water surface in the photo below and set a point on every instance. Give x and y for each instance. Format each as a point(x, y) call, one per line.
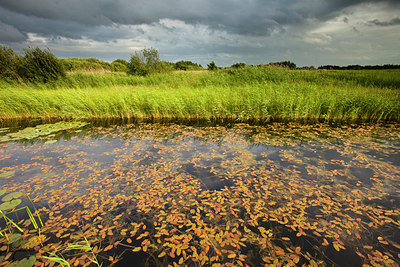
point(158, 194)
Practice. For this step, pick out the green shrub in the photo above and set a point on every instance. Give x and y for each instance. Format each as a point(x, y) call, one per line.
point(40, 66)
point(9, 63)
point(285, 64)
point(187, 65)
point(137, 66)
point(212, 66)
point(164, 67)
point(147, 61)
point(120, 65)
point(86, 64)
point(239, 65)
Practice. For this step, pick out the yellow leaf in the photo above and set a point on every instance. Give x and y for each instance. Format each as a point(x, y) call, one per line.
point(231, 256)
point(108, 247)
point(336, 247)
point(162, 254)
point(137, 249)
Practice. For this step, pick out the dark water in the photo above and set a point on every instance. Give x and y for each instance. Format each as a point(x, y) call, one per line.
point(279, 194)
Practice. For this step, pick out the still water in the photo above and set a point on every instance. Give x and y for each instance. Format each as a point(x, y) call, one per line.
point(168, 194)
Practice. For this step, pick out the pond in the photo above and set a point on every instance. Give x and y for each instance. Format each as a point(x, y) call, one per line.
point(168, 194)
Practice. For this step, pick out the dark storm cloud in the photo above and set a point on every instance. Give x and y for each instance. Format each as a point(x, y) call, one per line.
point(395, 21)
point(245, 17)
point(9, 34)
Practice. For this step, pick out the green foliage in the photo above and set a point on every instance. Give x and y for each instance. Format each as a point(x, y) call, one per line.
point(86, 64)
point(285, 64)
point(144, 62)
point(260, 93)
point(9, 63)
point(239, 65)
point(212, 66)
point(120, 65)
point(40, 66)
point(187, 65)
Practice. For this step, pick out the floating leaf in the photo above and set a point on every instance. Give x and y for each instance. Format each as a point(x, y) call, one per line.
point(10, 205)
point(2, 192)
point(108, 247)
point(137, 249)
point(11, 196)
point(26, 262)
point(14, 237)
point(50, 142)
point(33, 242)
point(6, 174)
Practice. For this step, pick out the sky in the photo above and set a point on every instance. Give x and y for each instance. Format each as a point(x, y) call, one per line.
point(307, 32)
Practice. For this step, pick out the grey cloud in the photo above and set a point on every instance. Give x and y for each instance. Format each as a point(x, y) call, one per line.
point(247, 17)
point(9, 34)
point(395, 21)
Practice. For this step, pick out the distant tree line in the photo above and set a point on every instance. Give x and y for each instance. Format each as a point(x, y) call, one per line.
point(359, 67)
point(38, 65)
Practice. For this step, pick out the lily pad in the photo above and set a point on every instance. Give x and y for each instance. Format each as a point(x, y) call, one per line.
point(50, 142)
point(33, 242)
point(6, 174)
point(11, 204)
point(2, 192)
point(13, 238)
point(11, 196)
point(26, 262)
point(4, 130)
point(41, 130)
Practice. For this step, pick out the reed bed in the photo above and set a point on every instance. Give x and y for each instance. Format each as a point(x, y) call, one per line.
point(242, 95)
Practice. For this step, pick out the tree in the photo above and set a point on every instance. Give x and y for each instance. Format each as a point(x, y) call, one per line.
point(40, 66)
point(9, 63)
point(212, 66)
point(144, 62)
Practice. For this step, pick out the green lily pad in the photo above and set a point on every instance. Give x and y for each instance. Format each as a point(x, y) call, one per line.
point(41, 130)
point(50, 142)
point(13, 238)
point(11, 196)
point(2, 192)
point(6, 174)
point(11, 204)
point(26, 262)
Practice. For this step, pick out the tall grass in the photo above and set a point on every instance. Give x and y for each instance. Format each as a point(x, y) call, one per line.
point(249, 94)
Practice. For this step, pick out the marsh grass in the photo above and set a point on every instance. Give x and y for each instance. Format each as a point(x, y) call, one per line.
point(242, 95)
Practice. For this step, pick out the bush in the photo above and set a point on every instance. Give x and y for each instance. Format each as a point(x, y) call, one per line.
point(164, 67)
point(212, 66)
point(187, 65)
point(87, 64)
point(239, 65)
point(120, 65)
point(40, 66)
point(9, 63)
point(143, 62)
point(285, 64)
point(146, 62)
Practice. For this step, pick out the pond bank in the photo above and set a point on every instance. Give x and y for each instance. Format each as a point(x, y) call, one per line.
point(245, 95)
